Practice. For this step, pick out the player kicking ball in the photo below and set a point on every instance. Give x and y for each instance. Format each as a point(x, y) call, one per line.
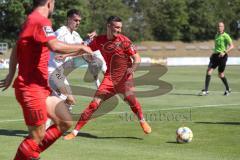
point(122, 60)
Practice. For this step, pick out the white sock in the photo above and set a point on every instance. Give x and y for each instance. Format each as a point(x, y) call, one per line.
point(75, 132)
point(97, 83)
point(48, 123)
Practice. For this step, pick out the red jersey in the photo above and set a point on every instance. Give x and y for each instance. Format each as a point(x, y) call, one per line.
point(33, 53)
point(116, 53)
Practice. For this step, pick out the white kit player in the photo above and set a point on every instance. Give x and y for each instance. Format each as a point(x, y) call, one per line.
point(57, 81)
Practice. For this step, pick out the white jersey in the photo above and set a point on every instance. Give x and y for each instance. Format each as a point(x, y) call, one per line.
point(64, 35)
point(55, 67)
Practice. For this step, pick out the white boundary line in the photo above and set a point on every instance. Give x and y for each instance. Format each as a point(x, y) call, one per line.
point(179, 91)
point(11, 120)
point(164, 109)
point(180, 108)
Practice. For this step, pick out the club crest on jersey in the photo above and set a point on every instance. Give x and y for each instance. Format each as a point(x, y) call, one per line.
point(48, 31)
point(133, 47)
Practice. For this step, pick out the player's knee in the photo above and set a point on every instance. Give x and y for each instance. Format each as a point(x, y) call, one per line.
point(65, 125)
point(209, 71)
point(41, 135)
point(220, 75)
point(38, 136)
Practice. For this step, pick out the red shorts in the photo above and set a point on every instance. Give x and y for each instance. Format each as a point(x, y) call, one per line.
point(33, 105)
point(109, 88)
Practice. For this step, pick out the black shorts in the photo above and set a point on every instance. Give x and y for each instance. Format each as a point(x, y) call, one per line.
point(216, 61)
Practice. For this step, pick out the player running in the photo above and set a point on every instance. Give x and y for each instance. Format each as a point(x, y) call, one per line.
point(122, 60)
point(223, 45)
point(31, 85)
point(57, 80)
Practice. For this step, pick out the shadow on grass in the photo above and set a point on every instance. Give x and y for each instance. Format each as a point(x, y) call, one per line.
point(184, 94)
point(173, 142)
point(14, 133)
point(224, 123)
point(88, 135)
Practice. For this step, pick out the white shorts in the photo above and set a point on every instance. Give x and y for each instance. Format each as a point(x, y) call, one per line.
point(58, 80)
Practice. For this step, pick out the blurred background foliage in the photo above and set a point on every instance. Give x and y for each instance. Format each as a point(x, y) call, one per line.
point(160, 20)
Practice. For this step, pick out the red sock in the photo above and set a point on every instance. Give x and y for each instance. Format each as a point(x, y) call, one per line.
point(86, 115)
point(27, 149)
point(51, 135)
point(135, 106)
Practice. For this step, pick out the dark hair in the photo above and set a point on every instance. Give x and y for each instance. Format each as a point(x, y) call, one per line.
point(37, 3)
point(71, 12)
point(114, 19)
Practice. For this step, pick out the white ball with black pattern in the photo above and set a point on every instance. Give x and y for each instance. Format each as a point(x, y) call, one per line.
point(184, 135)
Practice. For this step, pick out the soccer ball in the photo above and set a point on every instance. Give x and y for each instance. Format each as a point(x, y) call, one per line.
point(184, 135)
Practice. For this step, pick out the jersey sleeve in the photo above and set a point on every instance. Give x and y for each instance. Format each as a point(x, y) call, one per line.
point(44, 32)
point(60, 34)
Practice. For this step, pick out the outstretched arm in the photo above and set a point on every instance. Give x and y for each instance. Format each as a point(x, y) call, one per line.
point(64, 48)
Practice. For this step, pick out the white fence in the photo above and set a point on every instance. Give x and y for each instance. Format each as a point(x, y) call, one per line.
point(197, 61)
point(173, 61)
point(187, 61)
point(3, 47)
point(4, 64)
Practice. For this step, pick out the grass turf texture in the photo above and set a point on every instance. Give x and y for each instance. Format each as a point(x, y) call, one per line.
point(214, 120)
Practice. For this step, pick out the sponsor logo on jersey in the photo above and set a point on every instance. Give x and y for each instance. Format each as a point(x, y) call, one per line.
point(48, 31)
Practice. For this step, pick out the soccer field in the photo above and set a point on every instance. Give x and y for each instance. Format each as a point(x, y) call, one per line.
point(214, 120)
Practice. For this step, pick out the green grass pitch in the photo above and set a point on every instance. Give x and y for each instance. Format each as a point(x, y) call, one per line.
point(214, 120)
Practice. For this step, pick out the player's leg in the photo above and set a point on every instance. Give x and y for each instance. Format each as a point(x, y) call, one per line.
point(126, 88)
point(211, 66)
point(60, 88)
point(135, 106)
point(100, 65)
point(85, 116)
point(207, 80)
point(104, 92)
point(94, 67)
point(58, 112)
point(97, 81)
point(221, 69)
point(29, 147)
point(225, 82)
point(96, 78)
point(35, 115)
point(66, 92)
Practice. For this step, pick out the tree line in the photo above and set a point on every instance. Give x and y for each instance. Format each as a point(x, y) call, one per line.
point(160, 20)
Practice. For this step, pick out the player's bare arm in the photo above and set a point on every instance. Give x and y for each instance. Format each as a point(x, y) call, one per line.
point(63, 48)
point(136, 61)
point(92, 35)
point(230, 47)
point(5, 83)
